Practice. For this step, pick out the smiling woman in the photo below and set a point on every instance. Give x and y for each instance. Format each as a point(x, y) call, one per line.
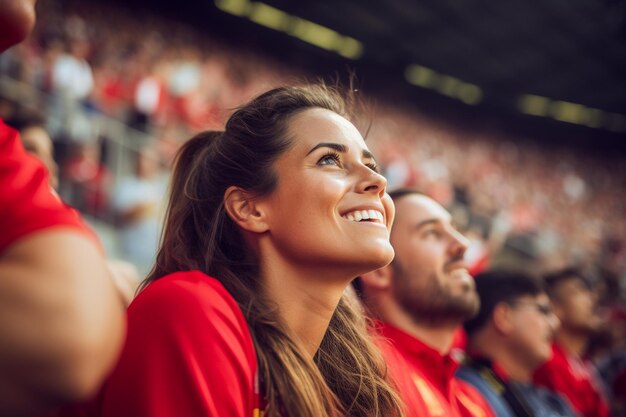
point(245, 312)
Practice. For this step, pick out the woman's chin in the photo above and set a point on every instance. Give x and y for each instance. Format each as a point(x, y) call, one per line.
point(379, 258)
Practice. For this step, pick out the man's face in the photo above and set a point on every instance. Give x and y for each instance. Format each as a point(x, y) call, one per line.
point(532, 329)
point(574, 304)
point(17, 18)
point(430, 278)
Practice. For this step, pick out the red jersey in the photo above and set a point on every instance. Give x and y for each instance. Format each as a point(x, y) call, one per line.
point(425, 379)
point(27, 202)
point(575, 380)
point(188, 353)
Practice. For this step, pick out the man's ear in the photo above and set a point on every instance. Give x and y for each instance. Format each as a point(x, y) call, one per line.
point(244, 210)
point(379, 279)
point(501, 317)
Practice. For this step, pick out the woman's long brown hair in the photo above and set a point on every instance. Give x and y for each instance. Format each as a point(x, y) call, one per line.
point(347, 376)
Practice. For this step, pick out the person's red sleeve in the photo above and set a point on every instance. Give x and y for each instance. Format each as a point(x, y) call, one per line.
point(188, 353)
point(27, 202)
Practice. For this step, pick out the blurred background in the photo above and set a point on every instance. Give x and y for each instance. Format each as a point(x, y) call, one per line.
point(511, 114)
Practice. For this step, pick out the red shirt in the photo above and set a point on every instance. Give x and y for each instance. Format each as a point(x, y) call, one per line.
point(27, 202)
point(575, 380)
point(425, 379)
point(188, 353)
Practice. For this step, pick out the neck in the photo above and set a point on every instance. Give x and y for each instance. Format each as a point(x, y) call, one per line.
point(306, 300)
point(574, 343)
point(439, 336)
point(487, 344)
point(513, 367)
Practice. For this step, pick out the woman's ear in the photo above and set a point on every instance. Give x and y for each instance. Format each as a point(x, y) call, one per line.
point(243, 210)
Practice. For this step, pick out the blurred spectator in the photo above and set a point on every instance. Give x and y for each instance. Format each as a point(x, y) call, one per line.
point(86, 179)
point(37, 141)
point(71, 84)
point(568, 371)
point(72, 77)
point(612, 369)
point(508, 339)
point(148, 99)
point(136, 204)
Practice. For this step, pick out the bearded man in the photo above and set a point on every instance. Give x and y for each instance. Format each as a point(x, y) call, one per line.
point(418, 303)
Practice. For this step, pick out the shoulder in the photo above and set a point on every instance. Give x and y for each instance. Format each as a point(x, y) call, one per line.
point(472, 400)
point(390, 341)
point(189, 295)
point(188, 319)
point(555, 401)
point(466, 374)
point(189, 285)
point(473, 388)
point(188, 352)
point(397, 365)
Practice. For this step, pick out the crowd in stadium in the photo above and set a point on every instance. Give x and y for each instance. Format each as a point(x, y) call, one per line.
point(513, 205)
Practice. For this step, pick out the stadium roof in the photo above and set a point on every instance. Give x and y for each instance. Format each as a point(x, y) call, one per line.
point(557, 67)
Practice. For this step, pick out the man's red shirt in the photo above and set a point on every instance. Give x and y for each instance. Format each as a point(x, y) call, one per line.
point(425, 379)
point(575, 380)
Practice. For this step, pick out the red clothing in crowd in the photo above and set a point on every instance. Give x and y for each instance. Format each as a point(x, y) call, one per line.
point(188, 353)
point(425, 379)
point(575, 380)
point(27, 202)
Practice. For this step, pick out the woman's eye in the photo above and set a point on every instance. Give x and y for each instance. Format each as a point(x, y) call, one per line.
point(330, 159)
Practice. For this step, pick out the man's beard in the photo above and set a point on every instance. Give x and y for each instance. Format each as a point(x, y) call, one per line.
point(431, 303)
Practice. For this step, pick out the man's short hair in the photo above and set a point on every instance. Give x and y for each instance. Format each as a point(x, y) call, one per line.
point(554, 279)
point(401, 192)
point(503, 286)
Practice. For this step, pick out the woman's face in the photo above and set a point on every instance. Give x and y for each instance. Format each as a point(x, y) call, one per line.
point(329, 209)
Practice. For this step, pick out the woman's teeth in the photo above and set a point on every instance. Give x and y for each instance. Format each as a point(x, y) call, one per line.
point(359, 215)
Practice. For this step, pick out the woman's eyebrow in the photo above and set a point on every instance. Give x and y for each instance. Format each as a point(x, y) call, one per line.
point(336, 146)
point(340, 148)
